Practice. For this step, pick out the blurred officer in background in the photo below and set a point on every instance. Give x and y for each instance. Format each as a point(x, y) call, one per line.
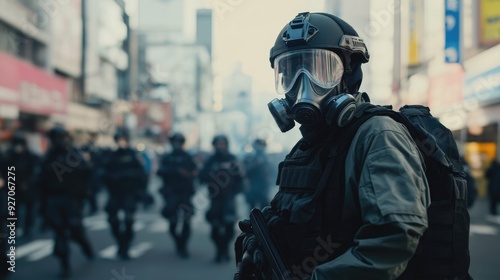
point(471, 183)
point(123, 177)
point(27, 171)
point(258, 173)
point(493, 176)
point(63, 186)
point(95, 183)
point(147, 162)
point(223, 175)
point(178, 171)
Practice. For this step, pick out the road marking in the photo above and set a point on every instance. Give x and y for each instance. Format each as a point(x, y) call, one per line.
point(97, 225)
point(200, 226)
point(102, 223)
point(42, 252)
point(28, 248)
point(159, 226)
point(109, 252)
point(483, 230)
point(138, 225)
point(134, 252)
point(493, 219)
point(140, 249)
point(96, 217)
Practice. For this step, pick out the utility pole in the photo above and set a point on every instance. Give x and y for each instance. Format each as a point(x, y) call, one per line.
point(396, 69)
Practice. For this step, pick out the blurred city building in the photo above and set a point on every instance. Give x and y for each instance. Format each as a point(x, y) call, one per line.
point(235, 118)
point(32, 91)
point(106, 61)
point(175, 68)
point(443, 54)
point(63, 62)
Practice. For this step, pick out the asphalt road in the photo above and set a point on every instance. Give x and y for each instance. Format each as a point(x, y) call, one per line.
point(154, 257)
point(484, 242)
point(153, 253)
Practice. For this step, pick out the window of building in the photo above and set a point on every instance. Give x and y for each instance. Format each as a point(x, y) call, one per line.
point(16, 43)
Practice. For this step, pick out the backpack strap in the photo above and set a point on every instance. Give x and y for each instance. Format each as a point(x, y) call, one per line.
point(334, 171)
point(342, 145)
point(363, 113)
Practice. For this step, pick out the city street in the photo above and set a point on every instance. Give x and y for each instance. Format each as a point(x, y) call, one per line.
point(152, 252)
point(154, 257)
point(118, 96)
point(484, 243)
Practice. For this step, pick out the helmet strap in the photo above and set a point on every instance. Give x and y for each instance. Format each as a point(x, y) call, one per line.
point(347, 71)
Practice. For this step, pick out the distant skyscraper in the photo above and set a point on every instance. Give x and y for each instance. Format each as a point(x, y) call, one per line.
point(204, 29)
point(163, 21)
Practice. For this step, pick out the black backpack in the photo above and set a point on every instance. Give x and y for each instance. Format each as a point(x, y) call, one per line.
point(443, 250)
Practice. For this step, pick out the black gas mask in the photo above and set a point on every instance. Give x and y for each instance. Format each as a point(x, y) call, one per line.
point(221, 145)
point(311, 81)
point(309, 71)
point(59, 138)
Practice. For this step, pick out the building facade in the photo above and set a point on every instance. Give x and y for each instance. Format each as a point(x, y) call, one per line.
point(444, 55)
point(61, 63)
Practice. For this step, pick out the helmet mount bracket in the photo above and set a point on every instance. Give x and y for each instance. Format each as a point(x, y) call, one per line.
point(299, 31)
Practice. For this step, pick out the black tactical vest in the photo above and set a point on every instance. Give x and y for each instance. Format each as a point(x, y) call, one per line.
point(303, 224)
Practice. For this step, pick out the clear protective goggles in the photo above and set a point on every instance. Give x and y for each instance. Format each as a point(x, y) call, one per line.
point(323, 67)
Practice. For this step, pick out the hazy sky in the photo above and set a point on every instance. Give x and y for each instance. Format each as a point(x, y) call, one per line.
point(245, 33)
point(245, 30)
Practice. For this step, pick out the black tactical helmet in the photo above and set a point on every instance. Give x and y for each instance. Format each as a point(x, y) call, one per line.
point(320, 31)
point(57, 134)
point(177, 136)
point(121, 133)
point(18, 139)
point(218, 138)
point(259, 142)
point(324, 31)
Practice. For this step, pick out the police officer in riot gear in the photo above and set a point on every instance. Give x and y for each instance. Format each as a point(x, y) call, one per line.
point(95, 184)
point(178, 171)
point(317, 61)
point(257, 171)
point(123, 177)
point(223, 176)
point(319, 74)
point(63, 185)
point(27, 169)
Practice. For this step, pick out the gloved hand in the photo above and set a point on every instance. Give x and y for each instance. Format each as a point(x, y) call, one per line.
point(251, 265)
point(250, 260)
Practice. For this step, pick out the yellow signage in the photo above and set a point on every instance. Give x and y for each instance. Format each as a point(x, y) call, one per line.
point(489, 22)
point(415, 34)
point(414, 49)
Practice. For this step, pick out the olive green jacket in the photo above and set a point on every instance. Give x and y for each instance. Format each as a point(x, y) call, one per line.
point(385, 166)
